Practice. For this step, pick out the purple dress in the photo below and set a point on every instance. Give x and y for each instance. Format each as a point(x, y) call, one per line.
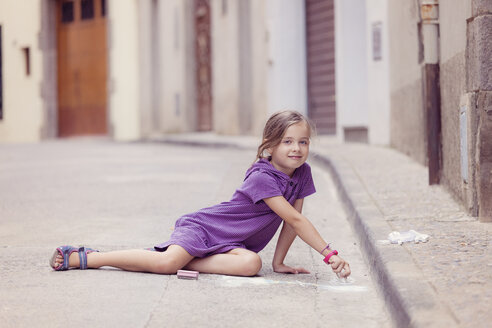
point(245, 221)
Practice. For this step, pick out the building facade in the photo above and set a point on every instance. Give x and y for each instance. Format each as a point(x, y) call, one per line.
point(440, 74)
point(412, 74)
point(129, 69)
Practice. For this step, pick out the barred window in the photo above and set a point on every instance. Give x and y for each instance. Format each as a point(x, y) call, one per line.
point(67, 12)
point(87, 9)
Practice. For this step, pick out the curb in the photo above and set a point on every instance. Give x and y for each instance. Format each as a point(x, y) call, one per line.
point(179, 141)
point(367, 241)
point(411, 301)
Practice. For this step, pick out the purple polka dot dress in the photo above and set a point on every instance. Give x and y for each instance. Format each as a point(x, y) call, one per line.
point(245, 221)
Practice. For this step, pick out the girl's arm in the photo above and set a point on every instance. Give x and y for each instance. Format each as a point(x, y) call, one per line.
point(305, 229)
point(285, 239)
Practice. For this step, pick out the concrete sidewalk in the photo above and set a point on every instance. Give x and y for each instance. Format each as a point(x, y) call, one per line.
point(446, 282)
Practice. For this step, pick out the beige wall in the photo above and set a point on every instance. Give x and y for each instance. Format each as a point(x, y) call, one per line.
point(453, 16)
point(225, 66)
point(241, 60)
point(49, 90)
point(351, 66)
point(147, 14)
point(407, 121)
point(287, 70)
point(259, 55)
point(22, 102)
point(151, 68)
point(124, 75)
point(177, 104)
point(378, 86)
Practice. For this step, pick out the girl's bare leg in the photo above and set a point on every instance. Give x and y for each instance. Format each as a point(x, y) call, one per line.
point(140, 260)
point(236, 262)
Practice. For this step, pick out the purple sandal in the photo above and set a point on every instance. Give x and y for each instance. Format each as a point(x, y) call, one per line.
point(66, 251)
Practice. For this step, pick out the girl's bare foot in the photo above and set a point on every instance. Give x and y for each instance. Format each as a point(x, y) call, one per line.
point(73, 260)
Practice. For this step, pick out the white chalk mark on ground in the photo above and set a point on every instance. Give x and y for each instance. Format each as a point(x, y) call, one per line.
point(336, 284)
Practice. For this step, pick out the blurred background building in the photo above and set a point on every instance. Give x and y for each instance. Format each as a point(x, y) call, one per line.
point(411, 74)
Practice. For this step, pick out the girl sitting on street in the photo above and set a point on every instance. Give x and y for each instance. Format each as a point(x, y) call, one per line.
point(225, 238)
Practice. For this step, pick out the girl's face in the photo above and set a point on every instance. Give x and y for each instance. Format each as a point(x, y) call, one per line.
point(293, 149)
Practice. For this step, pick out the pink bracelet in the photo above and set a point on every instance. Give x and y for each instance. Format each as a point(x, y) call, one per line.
point(327, 257)
point(327, 247)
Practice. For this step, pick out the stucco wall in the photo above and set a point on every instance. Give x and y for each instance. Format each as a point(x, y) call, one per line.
point(225, 66)
point(287, 79)
point(49, 90)
point(124, 74)
point(22, 102)
point(175, 66)
point(378, 87)
point(407, 122)
point(148, 31)
point(259, 63)
point(158, 77)
point(351, 64)
point(453, 15)
point(259, 57)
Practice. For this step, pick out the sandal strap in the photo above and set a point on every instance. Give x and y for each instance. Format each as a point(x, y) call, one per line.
point(83, 251)
point(83, 258)
point(65, 251)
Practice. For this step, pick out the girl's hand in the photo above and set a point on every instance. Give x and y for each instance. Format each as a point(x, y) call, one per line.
point(282, 268)
point(339, 266)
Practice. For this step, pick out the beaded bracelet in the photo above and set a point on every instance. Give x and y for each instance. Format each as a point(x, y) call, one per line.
point(327, 247)
point(327, 257)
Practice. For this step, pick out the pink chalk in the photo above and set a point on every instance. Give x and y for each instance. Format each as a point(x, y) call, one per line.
point(185, 274)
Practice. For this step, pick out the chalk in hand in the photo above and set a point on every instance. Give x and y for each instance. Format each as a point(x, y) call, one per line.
point(185, 274)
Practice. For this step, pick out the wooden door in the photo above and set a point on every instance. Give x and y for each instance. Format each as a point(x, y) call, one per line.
point(82, 67)
point(203, 76)
point(320, 38)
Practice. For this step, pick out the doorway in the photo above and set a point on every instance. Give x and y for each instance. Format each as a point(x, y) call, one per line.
point(82, 67)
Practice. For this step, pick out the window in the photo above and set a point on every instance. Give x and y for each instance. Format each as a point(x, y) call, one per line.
point(1, 86)
point(67, 12)
point(377, 47)
point(224, 7)
point(87, 9)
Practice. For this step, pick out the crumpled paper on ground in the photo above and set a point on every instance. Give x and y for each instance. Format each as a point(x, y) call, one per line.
point(399, 238)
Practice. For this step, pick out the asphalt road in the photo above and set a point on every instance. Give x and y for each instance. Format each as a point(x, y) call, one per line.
point(112, 196)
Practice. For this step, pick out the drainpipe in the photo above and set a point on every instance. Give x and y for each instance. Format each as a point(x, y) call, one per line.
point(429, 12)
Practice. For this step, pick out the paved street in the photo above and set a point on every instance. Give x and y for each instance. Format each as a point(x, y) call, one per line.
point(111, 196)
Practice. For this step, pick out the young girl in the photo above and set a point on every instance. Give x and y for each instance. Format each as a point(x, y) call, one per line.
point(225, 238)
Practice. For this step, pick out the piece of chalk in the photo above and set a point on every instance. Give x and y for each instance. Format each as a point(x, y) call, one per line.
point(185, 274)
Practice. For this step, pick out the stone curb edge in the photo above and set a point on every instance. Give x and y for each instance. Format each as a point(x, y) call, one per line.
point(392, 298)
point(411, 300)
point(200, 143)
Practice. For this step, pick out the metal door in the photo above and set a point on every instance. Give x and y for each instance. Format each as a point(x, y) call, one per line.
point(320, 39)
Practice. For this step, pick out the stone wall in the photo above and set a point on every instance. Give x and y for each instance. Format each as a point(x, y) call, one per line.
point(479, 87)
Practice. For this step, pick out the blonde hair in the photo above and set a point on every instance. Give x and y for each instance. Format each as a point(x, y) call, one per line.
point(275, 129)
